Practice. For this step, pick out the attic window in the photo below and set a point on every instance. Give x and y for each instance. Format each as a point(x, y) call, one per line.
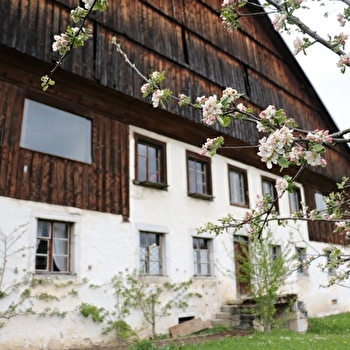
point(52, 131)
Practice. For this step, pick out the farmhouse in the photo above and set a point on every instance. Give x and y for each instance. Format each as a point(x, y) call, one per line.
point(95, 181)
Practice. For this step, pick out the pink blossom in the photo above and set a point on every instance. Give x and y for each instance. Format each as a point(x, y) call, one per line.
point(211, 109)
point(268, 113)
point(340, 19)
point(298, 45)
point(156, 97)
point(281, 186)
point(278, 22)
point(145, 87)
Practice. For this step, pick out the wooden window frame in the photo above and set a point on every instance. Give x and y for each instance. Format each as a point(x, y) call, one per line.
point(197, 263)
point(146, 260)
point(161, 182)
point(50, 264)
point(272, 182)
point(243, 173)
point(206, 163)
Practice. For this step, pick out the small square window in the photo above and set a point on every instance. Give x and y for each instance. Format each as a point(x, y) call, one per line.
point(151, 253)
point(52, 131)
point(275, 252)
point(53, 247)
point(301, 256)
point(295, 201)
point(150, 162)
point(268, 187)
point(198, 176)
point(201, 257)
point(238, 186)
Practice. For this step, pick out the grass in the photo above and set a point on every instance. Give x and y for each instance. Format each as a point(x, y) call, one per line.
point(326, 333)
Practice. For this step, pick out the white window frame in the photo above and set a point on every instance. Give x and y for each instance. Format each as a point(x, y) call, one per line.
point(74, 220)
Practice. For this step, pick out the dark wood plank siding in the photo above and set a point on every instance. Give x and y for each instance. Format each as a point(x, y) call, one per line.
point(182, 37)
point(30, 175)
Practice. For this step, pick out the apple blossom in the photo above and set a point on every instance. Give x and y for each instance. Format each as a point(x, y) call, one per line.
point(211, 109)
point(281, 186)
point(279, 22)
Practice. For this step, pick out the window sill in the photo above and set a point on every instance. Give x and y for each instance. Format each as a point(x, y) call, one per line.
point(155, 185)
point(207, 197)
point(240, 205)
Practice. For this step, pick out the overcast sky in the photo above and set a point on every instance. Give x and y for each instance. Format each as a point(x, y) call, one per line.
point(320, 64)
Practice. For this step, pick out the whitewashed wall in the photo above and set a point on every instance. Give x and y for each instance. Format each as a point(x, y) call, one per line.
point(104, 245)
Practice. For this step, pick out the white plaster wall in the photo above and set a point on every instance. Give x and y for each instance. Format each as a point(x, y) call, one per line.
point(103, 245)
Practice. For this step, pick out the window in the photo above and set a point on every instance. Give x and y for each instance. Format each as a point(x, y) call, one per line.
point(150, 162)
point(53, 246)
point(201, 256)
point(275, 252)
point(199, 176)
point(301, 256)
point(150, 253)
point(295, 200)
point(52, 131)
point(319, 202)
point(238, 186)
point(268, 187)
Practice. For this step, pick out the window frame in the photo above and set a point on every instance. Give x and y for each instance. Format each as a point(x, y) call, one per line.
point(206, 163)
point(80, 122)
point(272, 182)
point(196, 252)
point(50, 254)
point(147, 261)
point(161, 161)
point(245, 193)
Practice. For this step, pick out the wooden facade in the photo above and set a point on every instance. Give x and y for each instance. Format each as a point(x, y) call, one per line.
point(182, 37)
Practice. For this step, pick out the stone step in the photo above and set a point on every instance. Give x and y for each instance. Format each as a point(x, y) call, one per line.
point(221, 322)
point(223, 315)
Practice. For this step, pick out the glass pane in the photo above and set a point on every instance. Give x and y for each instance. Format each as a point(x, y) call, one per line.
point(143, 251)
point(53, 131)
point(154, 253)
point(60, 263)
point(191, 177)
point(154, 268)
point(204, 269)
point(141, 170)
point(143, 267)
point(143, 239)
point(43, 229)
point(60, 230)
point(141, 150)
point(203, 243)
point(152, 239)
point(204, 256)
point(41, 263)
point(42, 247)
point(60, 247)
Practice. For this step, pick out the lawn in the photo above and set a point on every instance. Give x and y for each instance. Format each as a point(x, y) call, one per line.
point(326, 333)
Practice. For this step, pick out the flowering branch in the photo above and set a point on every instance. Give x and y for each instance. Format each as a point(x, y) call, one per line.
point(72, 37)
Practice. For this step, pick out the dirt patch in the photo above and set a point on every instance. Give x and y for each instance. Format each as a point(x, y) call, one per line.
point(190, 340)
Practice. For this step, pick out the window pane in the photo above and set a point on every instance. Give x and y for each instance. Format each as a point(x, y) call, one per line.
point(60, 263)
point(237, 189)
point(43, 229)
point(52, 131)
point(154, 268)
point(204, 269)
point(60, 230)
point(41, 263)
point(60, 247)
point(143, 239)
point(42, 247)
point(294, 201)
